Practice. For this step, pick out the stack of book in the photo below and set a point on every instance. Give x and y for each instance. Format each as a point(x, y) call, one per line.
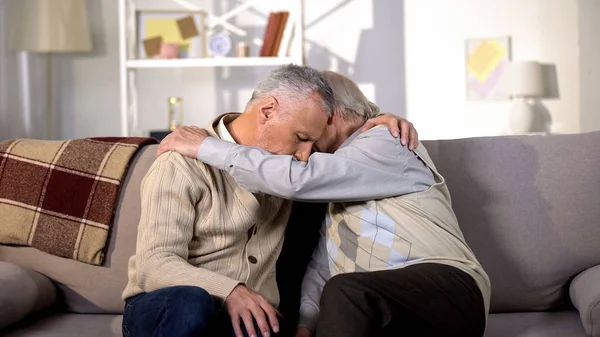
point(278, 35)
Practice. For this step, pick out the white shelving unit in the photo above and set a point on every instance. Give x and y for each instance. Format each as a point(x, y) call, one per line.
point(129, 65)
point(211, 62)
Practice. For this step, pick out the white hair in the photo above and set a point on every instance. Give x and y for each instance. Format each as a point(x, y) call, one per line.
point(295, 83)
point(349, 101)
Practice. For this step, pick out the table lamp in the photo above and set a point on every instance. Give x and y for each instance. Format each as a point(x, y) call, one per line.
point(50, 26)
point(523, 81)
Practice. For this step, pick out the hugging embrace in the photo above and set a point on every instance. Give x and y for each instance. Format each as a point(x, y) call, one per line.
point(391, 259)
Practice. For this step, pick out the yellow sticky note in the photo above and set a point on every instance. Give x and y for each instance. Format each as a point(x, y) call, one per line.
point(168, 29)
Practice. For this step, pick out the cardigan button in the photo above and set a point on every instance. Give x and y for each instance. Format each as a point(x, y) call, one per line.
point(252, 259)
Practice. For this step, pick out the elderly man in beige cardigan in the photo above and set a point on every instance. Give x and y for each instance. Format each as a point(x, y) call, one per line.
point(206, 248)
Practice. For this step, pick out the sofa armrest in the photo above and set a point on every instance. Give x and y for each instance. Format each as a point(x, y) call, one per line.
point(22, 292)
point(585, 295)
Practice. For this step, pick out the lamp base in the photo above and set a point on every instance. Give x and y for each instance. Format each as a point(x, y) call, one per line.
point(521, 117)
point(49, 97)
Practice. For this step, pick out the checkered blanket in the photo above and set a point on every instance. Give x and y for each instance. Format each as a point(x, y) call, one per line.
point(60, 196)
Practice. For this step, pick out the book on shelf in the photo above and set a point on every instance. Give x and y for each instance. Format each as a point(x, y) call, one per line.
point(278, 34)
point(286, 39)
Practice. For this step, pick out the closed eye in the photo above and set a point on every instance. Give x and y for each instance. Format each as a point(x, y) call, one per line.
point(302, 139)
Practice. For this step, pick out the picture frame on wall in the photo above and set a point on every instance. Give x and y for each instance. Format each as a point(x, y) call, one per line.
point(168, 34)
point(485, 61)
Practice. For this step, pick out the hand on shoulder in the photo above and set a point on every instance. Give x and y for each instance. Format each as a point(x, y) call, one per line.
point(398, 126)
point(185, 140)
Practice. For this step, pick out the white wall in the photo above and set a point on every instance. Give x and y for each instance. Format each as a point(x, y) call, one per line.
point(589, 42)
point(21, 76)
point(543, 30)
point(87, 84)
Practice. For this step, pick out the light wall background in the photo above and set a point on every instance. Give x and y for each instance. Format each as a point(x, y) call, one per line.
point(408, 56)
point(544, 30)
point(589, 64)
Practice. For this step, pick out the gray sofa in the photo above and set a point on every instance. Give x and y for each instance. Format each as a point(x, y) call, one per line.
point(529, 207)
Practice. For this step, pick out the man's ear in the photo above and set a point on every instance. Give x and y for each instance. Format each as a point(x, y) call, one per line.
point(268, 108)
point(335, 114)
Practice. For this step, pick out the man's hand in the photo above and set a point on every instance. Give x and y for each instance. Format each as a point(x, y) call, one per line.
point(246, 304)
point(407, 130)
point(185, 139)
point(302, 332)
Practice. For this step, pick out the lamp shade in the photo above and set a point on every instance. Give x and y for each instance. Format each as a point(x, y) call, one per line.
point(523, 79)
point(50, 26)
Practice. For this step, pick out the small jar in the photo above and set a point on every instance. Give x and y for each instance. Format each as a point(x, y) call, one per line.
point(175, 112)
point(243, 50)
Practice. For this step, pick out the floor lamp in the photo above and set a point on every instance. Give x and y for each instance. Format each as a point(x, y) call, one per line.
point(50, 26)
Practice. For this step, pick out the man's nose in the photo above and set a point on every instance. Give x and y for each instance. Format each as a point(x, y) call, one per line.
point(303, 153)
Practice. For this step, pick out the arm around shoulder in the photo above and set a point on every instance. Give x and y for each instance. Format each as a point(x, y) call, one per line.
point(370, 167)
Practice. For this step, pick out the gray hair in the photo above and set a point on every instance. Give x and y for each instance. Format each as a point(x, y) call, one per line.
point(295, 83)
point(349, 101)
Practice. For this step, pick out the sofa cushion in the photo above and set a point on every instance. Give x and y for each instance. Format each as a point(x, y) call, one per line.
point(22, 292)
point(68, 325)
point(585, 295)
point(96, 289)
point(528, 207)
point(535, 324)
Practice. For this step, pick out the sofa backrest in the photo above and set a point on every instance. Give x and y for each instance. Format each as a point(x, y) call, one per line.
point(96, 289)
point(529, 207)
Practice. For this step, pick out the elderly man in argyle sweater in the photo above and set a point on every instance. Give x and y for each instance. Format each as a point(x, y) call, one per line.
point(392, 260)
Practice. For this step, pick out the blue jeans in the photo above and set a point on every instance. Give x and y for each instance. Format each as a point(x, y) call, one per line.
point(177, 312)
